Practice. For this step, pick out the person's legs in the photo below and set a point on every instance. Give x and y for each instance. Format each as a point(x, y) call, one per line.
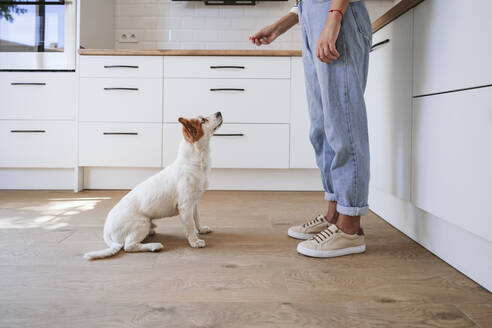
point(342, 84)
point(323, 152)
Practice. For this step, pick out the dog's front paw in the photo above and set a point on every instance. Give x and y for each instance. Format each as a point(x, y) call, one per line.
point(197, 243)
point(205, 229)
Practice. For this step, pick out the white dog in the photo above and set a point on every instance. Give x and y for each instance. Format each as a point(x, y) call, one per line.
point(175, 190)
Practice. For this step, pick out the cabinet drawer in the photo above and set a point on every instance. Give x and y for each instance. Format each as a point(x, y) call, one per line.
point(120, 144)
point(120, 66)
point(227, 67)
point(452, 158)
point(238, 145)
point(43, 96)
point(37, 144)
point(120, 100)
point(240, 101)
point(450, 56)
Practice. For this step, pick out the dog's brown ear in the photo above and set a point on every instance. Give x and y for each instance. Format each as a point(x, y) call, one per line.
point(192, 129)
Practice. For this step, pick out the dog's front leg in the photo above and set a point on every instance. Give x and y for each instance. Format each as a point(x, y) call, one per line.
point(196, 216)
point(188, 222)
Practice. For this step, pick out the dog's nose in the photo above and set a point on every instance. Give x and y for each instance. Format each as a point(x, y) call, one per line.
point(218, 114)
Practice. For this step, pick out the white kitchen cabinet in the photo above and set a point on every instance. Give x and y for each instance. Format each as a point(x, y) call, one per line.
point(120, 144)
point(37, 96)
point(452, 158)
point(239, 100)
point(121, 66)
point(238, 145)
point(30, 144)
point(301, 150)
point(389, 107)
point(452, 47)
point(120, 100)
point(226, 67)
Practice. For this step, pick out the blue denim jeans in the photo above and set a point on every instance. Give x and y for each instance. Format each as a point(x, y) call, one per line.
point(337, 110)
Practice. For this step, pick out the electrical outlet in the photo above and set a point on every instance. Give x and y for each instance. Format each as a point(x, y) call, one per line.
point(127, 37)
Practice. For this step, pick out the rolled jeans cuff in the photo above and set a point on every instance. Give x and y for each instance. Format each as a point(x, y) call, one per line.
point(352, 211)
point(330, 197)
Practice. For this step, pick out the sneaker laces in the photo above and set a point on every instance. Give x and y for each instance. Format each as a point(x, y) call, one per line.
point(316, 220)
point(325, 234)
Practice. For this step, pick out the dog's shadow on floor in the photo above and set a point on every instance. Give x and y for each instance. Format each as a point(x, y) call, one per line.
point(214, 239)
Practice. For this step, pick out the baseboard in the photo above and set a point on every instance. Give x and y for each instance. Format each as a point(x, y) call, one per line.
point(458, 247)
point(220, 179)
point(27, 178)
point(265, 179)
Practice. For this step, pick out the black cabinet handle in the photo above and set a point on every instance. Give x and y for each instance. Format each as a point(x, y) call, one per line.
point(226, 89)
point(27, 83)
point(27, 131)
point(120, 133)
point(218, 67)
point(120, 66)
point(228, 134)
point(379, 44)
point(127, 89)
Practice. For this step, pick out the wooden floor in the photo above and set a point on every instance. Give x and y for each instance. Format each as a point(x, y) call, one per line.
point(249, 275)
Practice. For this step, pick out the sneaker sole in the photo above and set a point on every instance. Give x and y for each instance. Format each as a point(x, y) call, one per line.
point(298, 235)
point(339, 252)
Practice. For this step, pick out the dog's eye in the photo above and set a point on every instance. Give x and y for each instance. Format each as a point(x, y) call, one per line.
point(204, 120)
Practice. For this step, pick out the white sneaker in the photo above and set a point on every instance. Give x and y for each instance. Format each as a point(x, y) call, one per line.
point(332, 242)
point(309, 229)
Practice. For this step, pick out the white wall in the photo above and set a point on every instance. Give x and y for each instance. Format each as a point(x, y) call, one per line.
point(97, 24)
point(166, 24)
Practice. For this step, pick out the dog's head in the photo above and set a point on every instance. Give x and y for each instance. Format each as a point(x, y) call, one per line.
point(200, 129)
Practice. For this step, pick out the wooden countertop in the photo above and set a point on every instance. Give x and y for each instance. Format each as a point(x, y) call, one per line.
point(396, 11)
point(171, 52)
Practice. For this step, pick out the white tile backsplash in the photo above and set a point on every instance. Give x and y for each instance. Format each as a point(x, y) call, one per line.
point(170, 24)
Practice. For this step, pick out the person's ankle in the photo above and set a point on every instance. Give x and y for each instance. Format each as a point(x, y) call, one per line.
point(332, 218)
point(349, 225)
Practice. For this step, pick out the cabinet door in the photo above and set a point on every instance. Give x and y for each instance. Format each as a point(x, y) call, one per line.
point(301, 150)
point(452, 45)
point(26, 143)
point(37, 96)
point(452, 158)
point(252, 146)
point(389, 107)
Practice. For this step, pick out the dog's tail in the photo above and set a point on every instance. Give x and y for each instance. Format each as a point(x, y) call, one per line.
point(112, 250)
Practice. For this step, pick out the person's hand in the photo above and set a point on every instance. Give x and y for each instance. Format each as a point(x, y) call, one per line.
point(265, 36)
point(326, 50)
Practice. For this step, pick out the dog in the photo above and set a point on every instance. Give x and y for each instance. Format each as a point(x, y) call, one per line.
point(173, 191)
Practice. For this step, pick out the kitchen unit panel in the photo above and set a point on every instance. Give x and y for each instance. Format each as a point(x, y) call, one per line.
point(238, 145)
point(301, 150)
point(37, 96)
point(389, 107)
point(239, 100)
point(120, 144)
point(37, 144)
point(121, 66)
point(226, 67)
point(120, 100)
point(452, 47)
point(452, 158)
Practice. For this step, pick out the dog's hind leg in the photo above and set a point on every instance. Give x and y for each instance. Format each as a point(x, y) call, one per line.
point(196, 217)
point(133, 242)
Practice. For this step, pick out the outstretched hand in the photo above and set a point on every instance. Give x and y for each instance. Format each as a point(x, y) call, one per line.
point(265, 36)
